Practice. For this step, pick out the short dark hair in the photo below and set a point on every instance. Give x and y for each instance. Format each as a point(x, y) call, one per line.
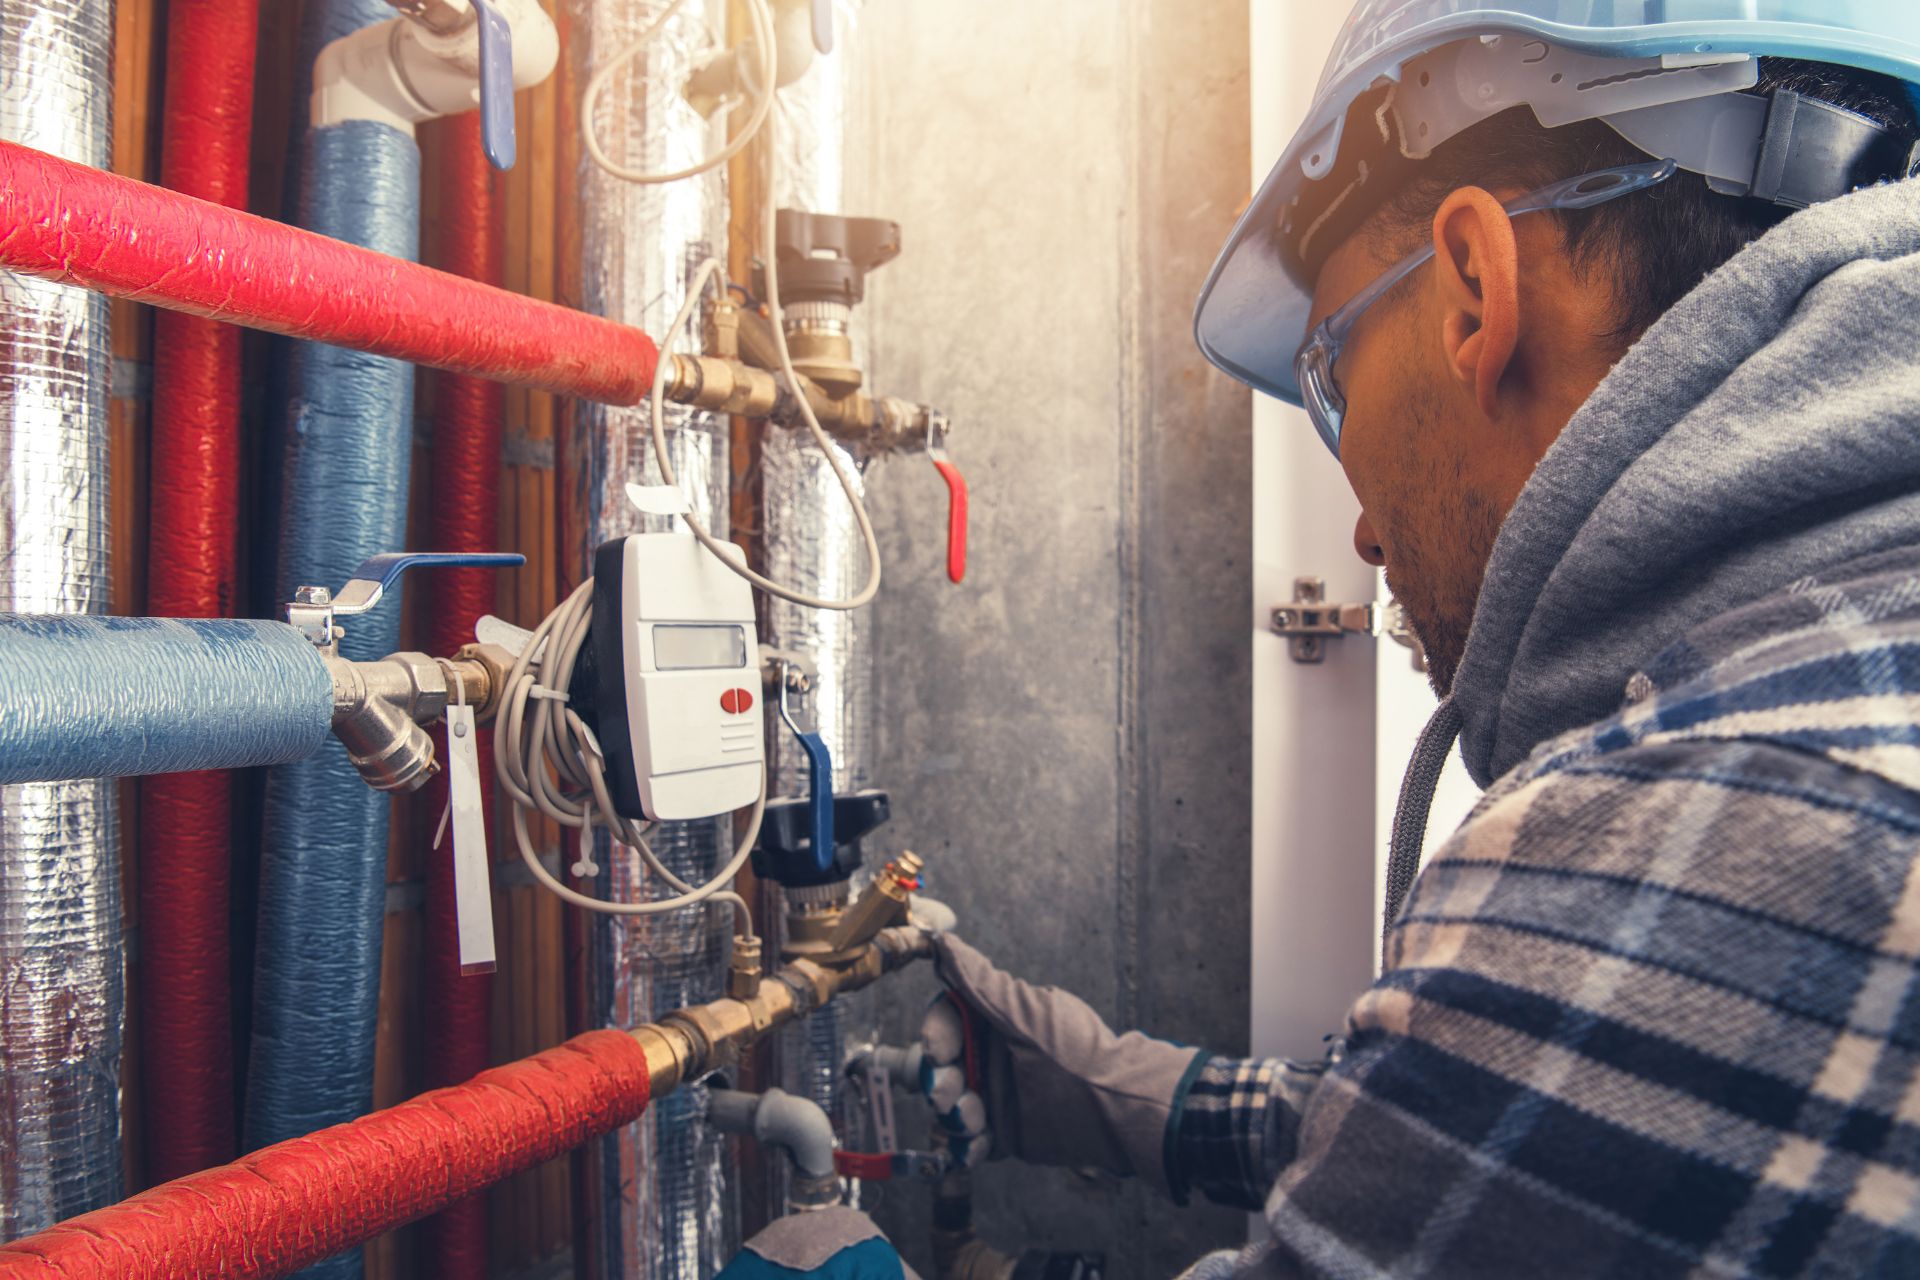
point(1653, 248)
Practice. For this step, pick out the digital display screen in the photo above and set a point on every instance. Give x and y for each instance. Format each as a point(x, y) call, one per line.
point(698, 648)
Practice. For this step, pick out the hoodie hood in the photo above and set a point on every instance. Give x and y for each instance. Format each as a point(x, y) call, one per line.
point(1765, 429)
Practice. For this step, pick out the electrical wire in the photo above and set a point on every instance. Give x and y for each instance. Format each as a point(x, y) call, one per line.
point(657, 416)
point(548, 761)
point(764, 36)
point(761, 123)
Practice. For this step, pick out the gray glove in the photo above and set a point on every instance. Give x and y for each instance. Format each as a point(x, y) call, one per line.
point(1059, 1086)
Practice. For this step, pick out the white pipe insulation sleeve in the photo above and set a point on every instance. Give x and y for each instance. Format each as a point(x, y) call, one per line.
point(776, 1118)
point(401, 73)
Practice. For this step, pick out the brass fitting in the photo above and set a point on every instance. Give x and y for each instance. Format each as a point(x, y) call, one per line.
point(885, 902)
point(722, 386)
point(813, 914)
point(723, 328)
point(689, 1043)
point(821, 347)
point(879, 424)
point(484, 668)
point(743, 969)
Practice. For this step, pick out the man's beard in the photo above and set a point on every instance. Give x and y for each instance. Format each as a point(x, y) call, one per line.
point(1440, 534)
point(1439, 596)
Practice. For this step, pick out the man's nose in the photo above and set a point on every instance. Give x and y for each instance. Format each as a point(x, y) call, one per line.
point(1366, 545)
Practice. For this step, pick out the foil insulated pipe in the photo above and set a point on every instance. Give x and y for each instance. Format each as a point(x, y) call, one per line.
point(346, 445)
point(663, 1204)
point(465, 516)
point(811, 541)
point(115, 697)
point(75, 224)
point(60, 922)
point(186, 1015)
point(307, 1198)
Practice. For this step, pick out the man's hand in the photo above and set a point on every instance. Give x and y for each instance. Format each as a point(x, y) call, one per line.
point(1056, 1085)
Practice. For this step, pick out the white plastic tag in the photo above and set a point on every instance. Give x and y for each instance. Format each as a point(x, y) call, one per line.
point(472, 887)
point(492, 630)
point(659, 499)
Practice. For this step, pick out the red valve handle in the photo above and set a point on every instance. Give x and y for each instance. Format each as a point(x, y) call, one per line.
point(869, 1166)
point(956, 515)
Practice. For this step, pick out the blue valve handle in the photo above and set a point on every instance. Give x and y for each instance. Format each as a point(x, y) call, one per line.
point(819, 798)
point(496, 85)
point(388, 566)
point(819, 785)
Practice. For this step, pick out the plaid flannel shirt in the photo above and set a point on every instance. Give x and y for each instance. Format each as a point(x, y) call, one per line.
point(1653, 1010)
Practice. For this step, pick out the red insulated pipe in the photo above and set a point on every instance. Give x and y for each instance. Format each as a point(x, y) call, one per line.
point(464, 516)
point(284, 1206)
point(128, 239)
point(186, 997)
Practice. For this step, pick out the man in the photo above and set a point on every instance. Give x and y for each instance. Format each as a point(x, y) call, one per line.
point(1616, 333)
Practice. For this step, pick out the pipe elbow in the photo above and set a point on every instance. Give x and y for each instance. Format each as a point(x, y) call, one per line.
point(357, 77)
point(400, 72)
point(777, 1118)
point(800, 1126)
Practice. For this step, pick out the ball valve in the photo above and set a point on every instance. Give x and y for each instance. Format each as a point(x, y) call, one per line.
point(439, 58)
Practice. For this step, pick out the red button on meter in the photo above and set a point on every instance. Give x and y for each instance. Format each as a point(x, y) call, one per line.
point(736, 702)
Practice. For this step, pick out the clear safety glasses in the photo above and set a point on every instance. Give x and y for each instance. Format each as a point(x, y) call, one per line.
point(1320, 391)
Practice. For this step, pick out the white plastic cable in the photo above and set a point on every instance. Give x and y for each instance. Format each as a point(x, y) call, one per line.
point(761, 123)
point(764, 36)
point(657, 406)
point(547, 759)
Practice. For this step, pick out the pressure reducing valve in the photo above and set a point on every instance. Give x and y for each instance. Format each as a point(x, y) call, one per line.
point(676, 699)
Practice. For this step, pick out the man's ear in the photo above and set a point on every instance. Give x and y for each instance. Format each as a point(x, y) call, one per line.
point(1477, 274)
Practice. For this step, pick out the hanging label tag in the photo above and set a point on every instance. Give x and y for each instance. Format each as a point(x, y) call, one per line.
point(472, 885)
point(659, 499)
point(492, 630)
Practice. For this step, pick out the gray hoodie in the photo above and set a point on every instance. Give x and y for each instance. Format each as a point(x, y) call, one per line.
point(1767, 427)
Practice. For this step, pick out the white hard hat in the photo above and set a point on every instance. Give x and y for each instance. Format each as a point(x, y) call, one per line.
point(1407, 75)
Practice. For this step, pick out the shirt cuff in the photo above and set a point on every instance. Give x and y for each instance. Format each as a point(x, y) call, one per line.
point(1234, 1127)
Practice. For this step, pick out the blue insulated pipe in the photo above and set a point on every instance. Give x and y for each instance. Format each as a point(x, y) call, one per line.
point(346, 445)
point(93, 697)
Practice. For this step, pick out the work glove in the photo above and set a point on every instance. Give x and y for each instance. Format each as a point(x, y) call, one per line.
point(840, 1243)
point(1035, 1073)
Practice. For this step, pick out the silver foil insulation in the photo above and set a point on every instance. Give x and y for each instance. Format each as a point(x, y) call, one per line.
point(62, 1000)
point(812, 542)
point(667, 1210)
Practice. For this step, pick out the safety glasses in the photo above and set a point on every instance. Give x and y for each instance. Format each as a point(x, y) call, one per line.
point(1313, 367)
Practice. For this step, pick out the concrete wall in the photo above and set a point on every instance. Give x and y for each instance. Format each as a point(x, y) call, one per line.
point(1067, 736)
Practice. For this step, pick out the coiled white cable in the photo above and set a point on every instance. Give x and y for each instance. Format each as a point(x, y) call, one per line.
point(764, 36)
point(702, 274)
point(549, 761)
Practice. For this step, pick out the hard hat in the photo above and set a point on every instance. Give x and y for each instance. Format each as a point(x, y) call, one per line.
point(1407, 75)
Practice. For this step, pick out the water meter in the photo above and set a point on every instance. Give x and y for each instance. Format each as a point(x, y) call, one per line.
point(677, 698)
